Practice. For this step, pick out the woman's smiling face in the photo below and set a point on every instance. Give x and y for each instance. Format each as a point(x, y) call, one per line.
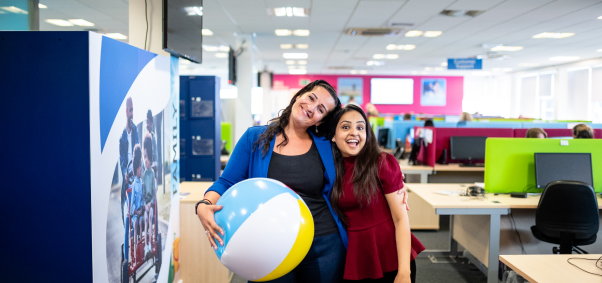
point(350, 135)
point(311, 107)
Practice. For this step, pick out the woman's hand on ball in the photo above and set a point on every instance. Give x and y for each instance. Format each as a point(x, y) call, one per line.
point(206, 215)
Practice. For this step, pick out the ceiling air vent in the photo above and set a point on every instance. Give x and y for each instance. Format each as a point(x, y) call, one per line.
point(461, 13)
point(374, 31)
point(401, 25)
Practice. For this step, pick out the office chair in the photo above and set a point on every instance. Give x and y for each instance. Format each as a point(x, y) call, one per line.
point(567, 215)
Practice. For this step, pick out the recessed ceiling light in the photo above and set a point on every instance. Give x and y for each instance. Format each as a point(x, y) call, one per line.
point(59, 22)
point(432, 33)
point(599, 50)
point(375, 63)
point(413, 33)
point(363, 72)
point(292, 67)
point(286, 46)
point(301, 32)
point(391, 56)
point(378, 56)
point(283, 32)
point(302, 67)
point(289, 12)
point(224, 48)
point(428, 69)
point(194, 11)
point(564, 58)
point(528, 64)
point(600, 18)
point(407, 47)
point(206, 32)
point(444, 64)
point(301, 46)
point(221, 55)
point(302, 62)
point(353, 72)
point(297, 72)
point(506, 48)
point(391, 47)
point(553, 35)
point(294, 55)
point(81, 23)
point(289, 62)
point(14, 9)
point(115, 35)
point(42, 6)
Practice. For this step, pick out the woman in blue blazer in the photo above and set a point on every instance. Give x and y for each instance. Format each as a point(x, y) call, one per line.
point(294, 149)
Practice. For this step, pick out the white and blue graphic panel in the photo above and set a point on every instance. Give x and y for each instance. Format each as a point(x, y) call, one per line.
point(133, 208)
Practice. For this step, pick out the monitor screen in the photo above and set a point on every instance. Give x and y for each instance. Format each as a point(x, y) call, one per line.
point(182, 28)
point(382, 136)
point(392, 91)
point(467, 148)
point(550, 167)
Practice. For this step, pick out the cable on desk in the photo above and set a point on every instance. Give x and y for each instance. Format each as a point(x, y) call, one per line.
point(597, 261)
point(513, 225)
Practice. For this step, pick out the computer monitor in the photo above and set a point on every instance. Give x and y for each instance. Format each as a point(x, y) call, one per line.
point(550, 167)
point(382, 136)
point(467, 148)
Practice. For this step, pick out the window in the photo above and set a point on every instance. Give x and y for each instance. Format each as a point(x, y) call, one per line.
point(537, 96)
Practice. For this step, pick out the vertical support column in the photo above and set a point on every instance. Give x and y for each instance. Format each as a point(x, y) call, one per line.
point(494, 248)
point(246, 80)
point(266, 85)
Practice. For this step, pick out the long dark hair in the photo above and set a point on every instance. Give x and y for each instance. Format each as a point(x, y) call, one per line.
point(278, 124)
point(365, 172)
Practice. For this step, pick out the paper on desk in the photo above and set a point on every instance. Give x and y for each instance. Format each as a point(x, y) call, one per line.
point(448, 193)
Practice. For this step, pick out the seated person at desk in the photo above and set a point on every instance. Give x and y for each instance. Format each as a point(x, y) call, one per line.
point(466, 117)
point(407, 117)
point(429, 123)
point(537, 133)
point(583, 131)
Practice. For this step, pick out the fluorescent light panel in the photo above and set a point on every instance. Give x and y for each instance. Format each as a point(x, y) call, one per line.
point(290, 12)
point(81, 23)
point(301, 46)
point(283, 32)
point(432, 33)
point(42, 6)
point(302, 62)
point(294, 55)
point(286, 46)
point(59, 22)
point(297, 72)
point(290, 62)
point(400, 47)
point(506, 48)
point(444, 64)
point(413, 33)
point(206, 32)
point(221, 55)
point(553, 35)
point(15, 10)
point(301, 32)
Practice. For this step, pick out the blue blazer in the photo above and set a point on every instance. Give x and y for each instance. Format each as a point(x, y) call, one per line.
point(247, 163)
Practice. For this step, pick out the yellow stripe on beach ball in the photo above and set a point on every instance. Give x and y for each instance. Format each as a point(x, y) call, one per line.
point(299, 249)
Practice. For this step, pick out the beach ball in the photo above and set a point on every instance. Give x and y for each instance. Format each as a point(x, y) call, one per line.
point(268, 229)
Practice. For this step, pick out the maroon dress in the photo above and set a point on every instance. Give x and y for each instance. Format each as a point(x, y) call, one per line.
point(372, 248)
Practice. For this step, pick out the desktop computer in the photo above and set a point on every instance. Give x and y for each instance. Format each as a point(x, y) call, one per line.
point(467, 148)
point(550, 167)
point(382, 136)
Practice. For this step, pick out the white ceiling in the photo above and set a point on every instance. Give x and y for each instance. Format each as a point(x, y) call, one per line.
point(508, 22)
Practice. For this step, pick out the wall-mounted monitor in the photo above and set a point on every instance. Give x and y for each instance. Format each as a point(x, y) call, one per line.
point(391, 91)
point(182, 28)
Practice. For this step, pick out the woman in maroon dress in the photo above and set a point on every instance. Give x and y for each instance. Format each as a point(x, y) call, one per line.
point(381, 247)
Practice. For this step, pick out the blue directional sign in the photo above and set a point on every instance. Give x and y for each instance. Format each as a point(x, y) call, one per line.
point(464, 64)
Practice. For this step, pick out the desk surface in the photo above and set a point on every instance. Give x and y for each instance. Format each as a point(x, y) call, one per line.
point(196, 191)
point(404, 166)
point(455, 167)
point(428, 193)
point(553, 268)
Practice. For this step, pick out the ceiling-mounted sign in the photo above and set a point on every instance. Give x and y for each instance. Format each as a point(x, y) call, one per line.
point(464, 64)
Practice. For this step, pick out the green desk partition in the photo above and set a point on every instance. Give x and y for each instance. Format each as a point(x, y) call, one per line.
point(376, 122)
point(510, 165)
point(227, 135)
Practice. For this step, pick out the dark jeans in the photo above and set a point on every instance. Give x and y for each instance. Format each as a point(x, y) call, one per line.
point(324, 263)
point(389, 276)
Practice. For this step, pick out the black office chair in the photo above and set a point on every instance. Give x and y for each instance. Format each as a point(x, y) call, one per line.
point(567, 215)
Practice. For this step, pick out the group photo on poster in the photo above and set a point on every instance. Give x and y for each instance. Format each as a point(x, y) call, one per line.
point(350, 90)
point(434, 92)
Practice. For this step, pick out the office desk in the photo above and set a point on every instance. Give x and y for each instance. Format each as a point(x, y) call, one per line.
point(421, 170)
point(553, 268)
point(455, 167)
point(475, 224)
point(198, 260)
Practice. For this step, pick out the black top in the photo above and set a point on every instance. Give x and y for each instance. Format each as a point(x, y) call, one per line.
point(304, 174)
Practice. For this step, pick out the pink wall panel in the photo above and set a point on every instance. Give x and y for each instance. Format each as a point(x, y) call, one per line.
point(455, 92)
